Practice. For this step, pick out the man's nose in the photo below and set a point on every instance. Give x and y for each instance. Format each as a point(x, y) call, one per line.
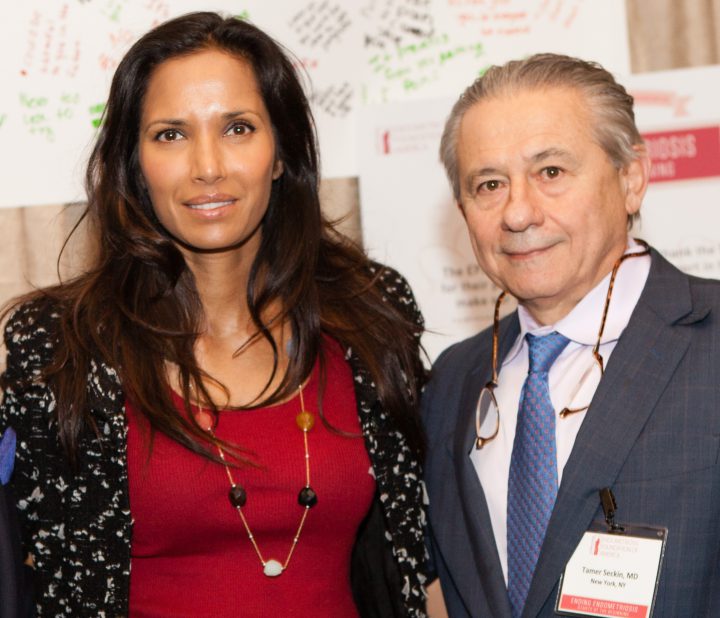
point(522, 209)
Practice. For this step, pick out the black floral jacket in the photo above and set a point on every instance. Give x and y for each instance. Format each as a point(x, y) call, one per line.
point(78, 524)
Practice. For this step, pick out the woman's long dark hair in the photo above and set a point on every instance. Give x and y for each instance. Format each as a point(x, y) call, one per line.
point(137, 307)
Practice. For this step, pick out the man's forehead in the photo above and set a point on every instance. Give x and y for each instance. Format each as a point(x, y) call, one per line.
point(534, 149)
point(532, 125)
point(529, 108)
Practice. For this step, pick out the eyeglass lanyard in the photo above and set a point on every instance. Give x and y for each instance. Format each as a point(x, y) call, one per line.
point(492, 384)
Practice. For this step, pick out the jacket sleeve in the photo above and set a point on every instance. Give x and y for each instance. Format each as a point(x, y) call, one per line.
point(400, 295)
point(27, 406)
point(389, 559)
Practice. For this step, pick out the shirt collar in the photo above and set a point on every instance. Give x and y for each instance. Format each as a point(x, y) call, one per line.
point(582, 324)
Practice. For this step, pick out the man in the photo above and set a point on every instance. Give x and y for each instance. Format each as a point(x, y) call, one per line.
point(548, 169)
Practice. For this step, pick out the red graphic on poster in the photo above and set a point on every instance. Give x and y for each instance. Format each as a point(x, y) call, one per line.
point(408, 138)
point(684, 154)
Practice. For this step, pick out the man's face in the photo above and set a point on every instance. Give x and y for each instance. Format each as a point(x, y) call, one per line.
point(545, 207)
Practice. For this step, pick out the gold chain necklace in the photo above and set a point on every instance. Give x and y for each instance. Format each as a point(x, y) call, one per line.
point(307, 498)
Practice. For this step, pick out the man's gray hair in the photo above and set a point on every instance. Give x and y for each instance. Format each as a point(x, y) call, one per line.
point(611, 106)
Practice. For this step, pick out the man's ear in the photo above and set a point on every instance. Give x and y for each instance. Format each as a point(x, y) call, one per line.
point(635, 178)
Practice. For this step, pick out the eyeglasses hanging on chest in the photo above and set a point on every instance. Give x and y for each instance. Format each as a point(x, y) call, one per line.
point(487, 412)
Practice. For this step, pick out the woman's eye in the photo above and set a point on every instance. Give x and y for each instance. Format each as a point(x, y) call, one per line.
point(241, 128)
point(169, 135)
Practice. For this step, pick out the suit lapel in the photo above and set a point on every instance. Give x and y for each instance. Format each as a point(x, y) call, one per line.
point(639, 370)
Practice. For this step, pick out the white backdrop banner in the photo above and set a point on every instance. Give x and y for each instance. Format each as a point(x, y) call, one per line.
point(59, 57)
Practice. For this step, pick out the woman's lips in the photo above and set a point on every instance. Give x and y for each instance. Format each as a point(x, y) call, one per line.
point(210, 202)
point(210, 205)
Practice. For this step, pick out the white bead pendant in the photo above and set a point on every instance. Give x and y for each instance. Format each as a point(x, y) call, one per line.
point(272, 568)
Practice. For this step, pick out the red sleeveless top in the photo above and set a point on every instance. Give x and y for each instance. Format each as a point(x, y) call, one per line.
point(190, 553)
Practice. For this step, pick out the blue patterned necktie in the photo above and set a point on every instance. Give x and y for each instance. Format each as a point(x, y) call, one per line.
point(533, 481)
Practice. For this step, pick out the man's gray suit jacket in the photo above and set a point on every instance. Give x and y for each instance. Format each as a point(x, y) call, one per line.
point(652, 434)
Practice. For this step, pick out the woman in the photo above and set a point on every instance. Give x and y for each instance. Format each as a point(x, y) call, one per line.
point(218, 418)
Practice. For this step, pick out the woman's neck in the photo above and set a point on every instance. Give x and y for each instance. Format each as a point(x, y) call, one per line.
point(229, 346)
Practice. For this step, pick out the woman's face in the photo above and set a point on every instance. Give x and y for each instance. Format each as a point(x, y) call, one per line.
point(207, 151)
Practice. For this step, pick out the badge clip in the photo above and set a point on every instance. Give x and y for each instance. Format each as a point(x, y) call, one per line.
point(609, 506)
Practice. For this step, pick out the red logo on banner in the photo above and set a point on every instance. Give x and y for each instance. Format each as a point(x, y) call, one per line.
point(684, 154)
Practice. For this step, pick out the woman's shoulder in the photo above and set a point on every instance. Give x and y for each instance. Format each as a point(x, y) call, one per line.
point(396, 289)
point(33, 316)
point(389, 278)
point(31, 328)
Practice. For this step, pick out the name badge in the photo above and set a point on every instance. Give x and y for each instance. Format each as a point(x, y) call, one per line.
point(614, 571)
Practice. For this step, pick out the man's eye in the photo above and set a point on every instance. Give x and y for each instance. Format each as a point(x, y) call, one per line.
point(489, 185)
point(552, 172)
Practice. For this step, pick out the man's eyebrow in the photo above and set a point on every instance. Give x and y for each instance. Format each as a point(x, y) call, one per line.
point(479, 173)
point(541, 156)
point(483, 171)
point(538, 157)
